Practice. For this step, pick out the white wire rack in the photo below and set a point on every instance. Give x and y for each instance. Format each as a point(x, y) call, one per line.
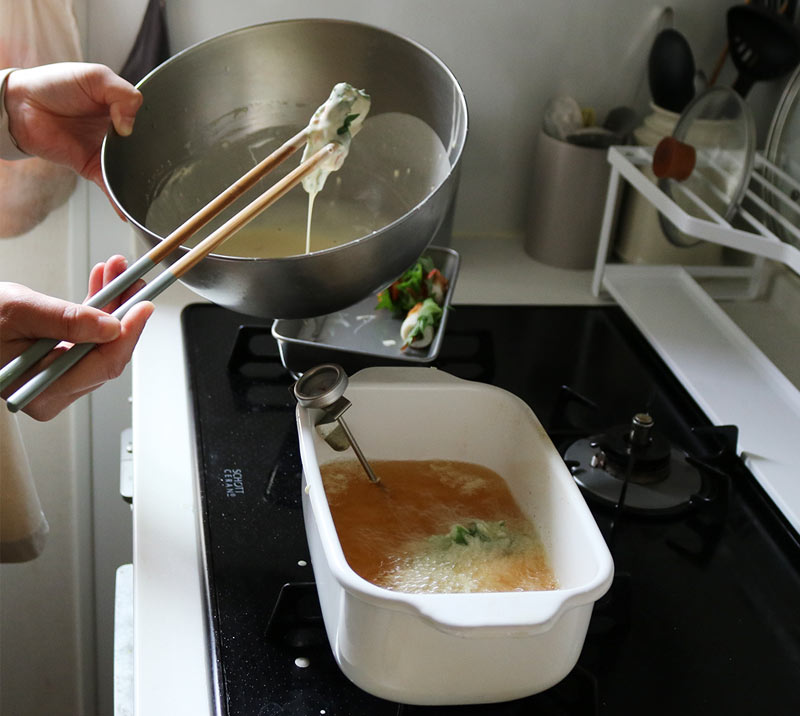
point(757, 213)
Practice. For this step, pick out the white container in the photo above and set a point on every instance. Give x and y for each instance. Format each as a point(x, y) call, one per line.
point(455, 648)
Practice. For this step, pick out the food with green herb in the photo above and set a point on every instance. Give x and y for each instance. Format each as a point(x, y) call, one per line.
point(338, 120)
point(418, 296)
point(420, 324)
point(423, 280)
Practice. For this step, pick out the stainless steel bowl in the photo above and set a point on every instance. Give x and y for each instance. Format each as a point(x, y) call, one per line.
point(271, 77)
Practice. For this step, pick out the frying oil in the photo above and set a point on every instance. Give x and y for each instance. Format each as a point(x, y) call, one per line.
point(400, 537)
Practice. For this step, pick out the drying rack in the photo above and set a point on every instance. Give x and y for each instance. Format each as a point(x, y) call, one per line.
point(728, 376)
point(756, 238)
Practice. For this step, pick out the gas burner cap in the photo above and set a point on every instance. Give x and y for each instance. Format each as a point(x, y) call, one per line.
point(653, 451)
point(662, 480)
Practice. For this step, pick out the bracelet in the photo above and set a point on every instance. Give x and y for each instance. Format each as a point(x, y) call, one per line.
point(9, 149)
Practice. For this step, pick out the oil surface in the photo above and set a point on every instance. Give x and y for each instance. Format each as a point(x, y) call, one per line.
point(397, 537)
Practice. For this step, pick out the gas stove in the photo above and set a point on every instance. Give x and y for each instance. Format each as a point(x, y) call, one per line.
point(703, 612)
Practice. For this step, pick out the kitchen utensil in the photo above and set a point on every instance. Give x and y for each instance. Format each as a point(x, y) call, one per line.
point(16, 367)
point(639, 237)
point(671, 70)
point(621, 121)
point(361, 335)
point(66, 360)
point(673, 159)
point(467, 647)
point(763, 45)
point(721, 129)
point(322, 388)
point(244, 88)
point(783, 150)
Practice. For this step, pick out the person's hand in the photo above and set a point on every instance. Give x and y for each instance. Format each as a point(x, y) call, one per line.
point(26, 316)
point(61, 112)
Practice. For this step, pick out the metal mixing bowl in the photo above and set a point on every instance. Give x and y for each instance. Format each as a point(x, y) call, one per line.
point(264, 82)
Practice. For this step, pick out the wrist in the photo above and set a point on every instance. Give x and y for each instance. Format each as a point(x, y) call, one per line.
point(9, 148)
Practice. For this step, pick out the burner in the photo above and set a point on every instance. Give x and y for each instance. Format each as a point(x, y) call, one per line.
point(636, 465)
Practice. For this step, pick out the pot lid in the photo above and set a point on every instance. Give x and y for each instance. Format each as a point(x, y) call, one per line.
point(721, 129)
point(783, 150)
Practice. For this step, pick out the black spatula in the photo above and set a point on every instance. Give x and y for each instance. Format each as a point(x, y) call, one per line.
point(763, 45)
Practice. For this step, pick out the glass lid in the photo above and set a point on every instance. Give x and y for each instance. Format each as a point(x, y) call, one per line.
point(783, 150)
point(721, 129)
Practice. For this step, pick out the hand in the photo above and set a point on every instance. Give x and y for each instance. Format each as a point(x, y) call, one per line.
point(61, 112)
point(26, 316)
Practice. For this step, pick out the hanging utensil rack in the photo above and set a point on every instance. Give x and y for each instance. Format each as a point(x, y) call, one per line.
point(751, 229)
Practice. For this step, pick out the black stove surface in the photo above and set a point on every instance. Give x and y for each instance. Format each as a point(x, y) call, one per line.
point(704, 612)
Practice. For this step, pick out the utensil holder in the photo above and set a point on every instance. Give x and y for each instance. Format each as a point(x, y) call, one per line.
point(568, 192)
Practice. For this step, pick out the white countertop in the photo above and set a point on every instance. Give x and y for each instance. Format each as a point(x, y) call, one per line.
point(171, 667)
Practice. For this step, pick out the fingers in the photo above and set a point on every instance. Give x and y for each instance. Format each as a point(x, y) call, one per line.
point(121, 97)
point(104, 273)
point(105, 362)
point(95, 280)
point(30, 315)
point(118, 353)
point(122, 117)
point(61, 112)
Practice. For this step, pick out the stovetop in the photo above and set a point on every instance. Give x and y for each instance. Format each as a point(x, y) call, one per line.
point(704, 611)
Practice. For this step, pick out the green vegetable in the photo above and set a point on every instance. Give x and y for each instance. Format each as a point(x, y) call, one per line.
point(407, 291)
point(429, 314)
point(483, 531)
point(348, 120)
point(490, 534)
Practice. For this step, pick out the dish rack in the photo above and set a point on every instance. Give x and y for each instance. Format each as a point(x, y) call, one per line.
point(756, 238)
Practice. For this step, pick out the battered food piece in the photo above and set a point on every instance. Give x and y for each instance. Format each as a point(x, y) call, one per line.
point(338, 120)
point(419, 325)
point(417, 296)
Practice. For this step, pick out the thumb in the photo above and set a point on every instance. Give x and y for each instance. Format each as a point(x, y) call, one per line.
point(116, 95)
point(123, 103)
point(73, 322)
point(123, 113)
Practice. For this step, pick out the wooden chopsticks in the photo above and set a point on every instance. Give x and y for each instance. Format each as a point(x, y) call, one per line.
point(66, 360)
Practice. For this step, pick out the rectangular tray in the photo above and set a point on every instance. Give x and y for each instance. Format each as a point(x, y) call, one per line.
point(361, 336)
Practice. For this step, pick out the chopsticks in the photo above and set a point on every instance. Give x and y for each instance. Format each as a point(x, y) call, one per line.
point(66, 360)
point(17, 366)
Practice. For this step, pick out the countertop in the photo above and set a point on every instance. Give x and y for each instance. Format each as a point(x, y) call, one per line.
point(171, 659)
